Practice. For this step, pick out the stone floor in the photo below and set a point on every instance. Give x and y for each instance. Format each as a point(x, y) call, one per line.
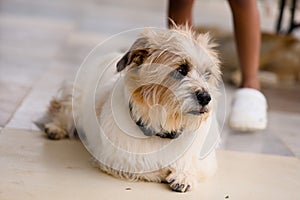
point(44, 42)
point(37, 168)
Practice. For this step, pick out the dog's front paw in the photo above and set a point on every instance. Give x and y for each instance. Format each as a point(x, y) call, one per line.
point(55, 132)
point(181, 182)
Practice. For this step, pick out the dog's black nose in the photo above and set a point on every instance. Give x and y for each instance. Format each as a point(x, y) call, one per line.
point(203, 98)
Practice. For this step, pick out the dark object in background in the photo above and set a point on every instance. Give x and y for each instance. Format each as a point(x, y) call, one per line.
point(279, 58)
point(292, 23)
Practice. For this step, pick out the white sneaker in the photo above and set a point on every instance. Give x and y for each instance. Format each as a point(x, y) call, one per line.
point(249, 110)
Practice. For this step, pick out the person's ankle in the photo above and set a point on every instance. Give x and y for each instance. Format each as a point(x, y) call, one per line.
point(251, 84)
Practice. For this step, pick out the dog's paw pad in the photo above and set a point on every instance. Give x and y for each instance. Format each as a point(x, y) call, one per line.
point(181, 182)
point(54, 132)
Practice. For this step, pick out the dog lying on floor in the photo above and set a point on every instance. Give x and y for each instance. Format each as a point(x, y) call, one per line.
point(168, 83)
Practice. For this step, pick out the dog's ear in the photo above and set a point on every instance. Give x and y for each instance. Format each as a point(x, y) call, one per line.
point(133, 56)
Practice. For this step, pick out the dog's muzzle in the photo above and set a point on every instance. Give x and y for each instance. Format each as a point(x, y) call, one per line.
point(203, 99)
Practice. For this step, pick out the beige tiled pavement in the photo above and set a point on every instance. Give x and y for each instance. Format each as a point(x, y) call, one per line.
point(33, 167)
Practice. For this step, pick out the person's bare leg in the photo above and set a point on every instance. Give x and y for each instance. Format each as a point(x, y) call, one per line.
point(249, 107)
point(247, 34)
point(180, 11)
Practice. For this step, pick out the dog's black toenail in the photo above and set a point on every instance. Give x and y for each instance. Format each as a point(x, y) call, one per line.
point(187, 188)
point(176, 187)
point(171, 181)
point(52, 136)
point(180, 187)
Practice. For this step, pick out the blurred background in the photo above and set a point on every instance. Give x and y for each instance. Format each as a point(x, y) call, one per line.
point(43, 42)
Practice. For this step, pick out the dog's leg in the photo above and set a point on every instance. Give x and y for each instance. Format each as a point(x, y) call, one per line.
point(183, 175)
point(187, 170)
point(55, 131)
point(61, 124)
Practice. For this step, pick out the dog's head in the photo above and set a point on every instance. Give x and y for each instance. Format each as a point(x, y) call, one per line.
point(171, 77)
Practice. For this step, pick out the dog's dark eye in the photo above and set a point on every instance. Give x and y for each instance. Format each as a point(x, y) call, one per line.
point(207, 75)
point(183, 69)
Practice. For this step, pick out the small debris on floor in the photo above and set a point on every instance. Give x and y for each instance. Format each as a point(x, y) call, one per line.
point(227, 197)
point(128, 188)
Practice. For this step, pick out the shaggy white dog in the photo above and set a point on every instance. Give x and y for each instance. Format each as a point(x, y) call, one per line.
point(154, 107)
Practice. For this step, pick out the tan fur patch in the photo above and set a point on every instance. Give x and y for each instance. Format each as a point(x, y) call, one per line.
point(54, 107)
